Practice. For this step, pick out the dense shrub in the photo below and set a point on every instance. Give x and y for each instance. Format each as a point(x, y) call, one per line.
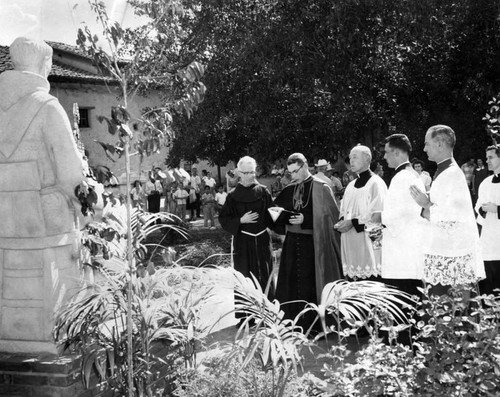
point(459, 346)
point(221, 379)
point(456, 353)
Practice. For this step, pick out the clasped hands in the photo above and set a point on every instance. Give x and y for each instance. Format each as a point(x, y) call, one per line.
point(343, 226)
point(420, 197)
point(252, 217)
point(489, 207)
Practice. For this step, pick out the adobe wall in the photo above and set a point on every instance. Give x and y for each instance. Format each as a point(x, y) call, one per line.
point(100, 100)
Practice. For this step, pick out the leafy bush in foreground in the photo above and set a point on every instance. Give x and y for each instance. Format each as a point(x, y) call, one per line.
point(456, 353)
point(459, 346)
point(265, 357)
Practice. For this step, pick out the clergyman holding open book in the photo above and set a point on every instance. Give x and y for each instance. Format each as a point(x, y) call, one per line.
point(311, 251)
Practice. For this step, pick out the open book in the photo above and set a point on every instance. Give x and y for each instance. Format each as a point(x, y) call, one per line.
point(280, 215)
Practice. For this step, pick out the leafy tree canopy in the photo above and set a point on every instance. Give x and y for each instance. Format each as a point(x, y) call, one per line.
point(322, 75)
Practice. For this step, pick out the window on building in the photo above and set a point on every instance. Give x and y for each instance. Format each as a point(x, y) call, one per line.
point(84, 118)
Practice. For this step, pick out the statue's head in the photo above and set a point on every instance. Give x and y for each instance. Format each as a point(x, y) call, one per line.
point(29, 55)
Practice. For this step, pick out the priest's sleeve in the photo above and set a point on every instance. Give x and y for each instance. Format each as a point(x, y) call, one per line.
point(229, 219)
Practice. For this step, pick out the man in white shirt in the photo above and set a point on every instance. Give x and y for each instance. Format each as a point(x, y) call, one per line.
point(488, 209)
point(452, 255)
point(195, 179)
point(402, 264)
point(207, 179)
point(180, 196)
point(220, 198)
point(153, 189)
point(321, 168)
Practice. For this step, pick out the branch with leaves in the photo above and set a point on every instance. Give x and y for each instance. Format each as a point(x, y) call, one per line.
point(137, 62)
point(492, 119)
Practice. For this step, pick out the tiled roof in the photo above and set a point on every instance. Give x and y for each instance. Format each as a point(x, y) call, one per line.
point(70, 74)
point(68, 48)
point(61, 72)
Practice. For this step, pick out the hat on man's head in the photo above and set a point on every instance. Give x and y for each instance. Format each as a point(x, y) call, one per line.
point(321, 163)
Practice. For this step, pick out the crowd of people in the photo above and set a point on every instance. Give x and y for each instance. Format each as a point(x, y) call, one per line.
point(185, 194)
point(413, 231)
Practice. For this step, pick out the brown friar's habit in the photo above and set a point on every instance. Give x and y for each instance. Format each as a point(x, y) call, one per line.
point(252, 241)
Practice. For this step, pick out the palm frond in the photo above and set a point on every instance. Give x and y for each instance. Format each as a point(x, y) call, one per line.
point(276, 340)
point(354, 300)
point(92, 306)
point(144, 224)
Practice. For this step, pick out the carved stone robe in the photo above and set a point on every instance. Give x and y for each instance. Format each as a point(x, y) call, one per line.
point(40, 166)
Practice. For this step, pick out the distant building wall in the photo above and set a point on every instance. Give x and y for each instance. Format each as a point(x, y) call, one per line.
point(98, 99)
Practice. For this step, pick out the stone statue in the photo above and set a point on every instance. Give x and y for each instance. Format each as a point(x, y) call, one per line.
point(40, 166)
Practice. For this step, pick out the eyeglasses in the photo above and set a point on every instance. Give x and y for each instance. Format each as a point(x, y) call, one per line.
point(297, 170)
point(247, 172)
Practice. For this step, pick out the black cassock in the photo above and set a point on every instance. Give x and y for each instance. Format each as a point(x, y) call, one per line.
point(252, 242)
point(296, 279)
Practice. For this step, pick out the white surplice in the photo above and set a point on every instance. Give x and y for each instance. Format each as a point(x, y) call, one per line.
point(359, 259)
point(402, 256)
point(490, 233)
point(452, 253)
